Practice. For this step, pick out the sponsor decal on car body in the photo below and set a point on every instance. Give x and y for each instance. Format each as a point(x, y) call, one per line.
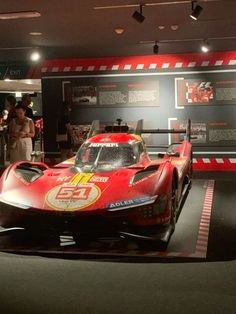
point(63, 179)
point(146, 199)
point(99, 179)
point(81, 178)
point(71, 196)
point(178, 161)
point(103, 145)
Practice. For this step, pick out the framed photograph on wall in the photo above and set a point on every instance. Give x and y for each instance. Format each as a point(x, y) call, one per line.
point(207, 133)
point(205, 90)
point(132, 92)
point(192, 92)
point(84, 95)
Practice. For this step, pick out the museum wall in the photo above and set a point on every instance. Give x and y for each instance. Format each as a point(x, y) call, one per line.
point(164, 91)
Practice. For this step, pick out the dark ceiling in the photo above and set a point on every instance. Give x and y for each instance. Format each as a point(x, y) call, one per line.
point(74, 28)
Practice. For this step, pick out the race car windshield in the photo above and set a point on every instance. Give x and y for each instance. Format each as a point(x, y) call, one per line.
point(94, 157)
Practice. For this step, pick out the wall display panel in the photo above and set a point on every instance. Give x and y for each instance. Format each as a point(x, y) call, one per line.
point(113, 93)
point(206, 90)
point(211, 133)
point(202, 90)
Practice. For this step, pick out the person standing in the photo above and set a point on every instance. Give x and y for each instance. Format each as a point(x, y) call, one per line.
point(3, 118)
point(21, 130)
point(26, 101)
point(10, 105)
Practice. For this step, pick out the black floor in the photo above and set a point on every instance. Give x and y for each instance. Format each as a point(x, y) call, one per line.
point(222, 237)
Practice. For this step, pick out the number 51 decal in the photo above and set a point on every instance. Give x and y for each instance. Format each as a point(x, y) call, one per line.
point(73, 193)
point(71, 197)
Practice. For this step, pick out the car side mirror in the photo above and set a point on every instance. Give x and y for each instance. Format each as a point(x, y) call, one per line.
point(174, 154)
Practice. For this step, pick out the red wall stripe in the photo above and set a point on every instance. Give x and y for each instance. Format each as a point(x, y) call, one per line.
point(173, 61)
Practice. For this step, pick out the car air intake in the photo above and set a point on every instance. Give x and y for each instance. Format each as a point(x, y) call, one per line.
point(144, 173)
point(29, 173)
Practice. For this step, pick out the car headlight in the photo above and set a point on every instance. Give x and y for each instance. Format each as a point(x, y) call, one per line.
point(24, 204)
point(155, 209)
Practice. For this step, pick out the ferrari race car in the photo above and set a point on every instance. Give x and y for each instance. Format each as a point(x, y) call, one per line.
point(111, 187)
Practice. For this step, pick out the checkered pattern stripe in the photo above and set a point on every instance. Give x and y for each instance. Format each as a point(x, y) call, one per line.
point(160, 62)
point(214, 164)
point(203, 232)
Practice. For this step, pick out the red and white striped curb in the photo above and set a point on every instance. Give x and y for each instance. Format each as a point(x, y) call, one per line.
point(203, 233)
point(214, 164)
point(175, 61)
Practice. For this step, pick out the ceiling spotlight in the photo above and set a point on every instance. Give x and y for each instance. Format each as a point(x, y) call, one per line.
point(35, 56)
point(205, 47)
point(35, 33)
point(155, 48)
point(174, 27)
point(196, 10)
point(119, 30)
point(138, 16)
point(19, 15)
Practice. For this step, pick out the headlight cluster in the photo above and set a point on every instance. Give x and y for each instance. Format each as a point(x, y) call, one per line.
point(155, 209)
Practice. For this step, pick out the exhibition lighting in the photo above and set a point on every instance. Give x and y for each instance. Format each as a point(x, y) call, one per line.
point(205, 47)
point(35, 56)
point(138, 16)
point(155, 48)
point(19, 15)
point(196, 10)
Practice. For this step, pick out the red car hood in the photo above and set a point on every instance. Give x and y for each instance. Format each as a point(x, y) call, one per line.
point(63, 190)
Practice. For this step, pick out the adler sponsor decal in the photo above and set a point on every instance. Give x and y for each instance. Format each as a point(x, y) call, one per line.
point(130, 202)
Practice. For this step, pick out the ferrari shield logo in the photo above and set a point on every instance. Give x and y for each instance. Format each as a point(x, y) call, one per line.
point(71, 197)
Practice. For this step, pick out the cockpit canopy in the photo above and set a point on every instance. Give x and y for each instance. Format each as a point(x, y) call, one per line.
point(105, 157)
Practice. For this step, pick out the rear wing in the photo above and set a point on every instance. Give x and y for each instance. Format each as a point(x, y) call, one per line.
point(139, 130)
point(113, 128)
point(95, 129)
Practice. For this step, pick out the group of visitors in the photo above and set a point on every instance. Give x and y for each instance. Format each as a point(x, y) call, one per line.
point(18, 119)
point(21, 130)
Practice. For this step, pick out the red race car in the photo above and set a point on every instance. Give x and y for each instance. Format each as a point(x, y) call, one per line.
point(111, 187)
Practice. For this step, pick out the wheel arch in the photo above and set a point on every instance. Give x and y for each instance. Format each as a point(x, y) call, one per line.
point(175, 177)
